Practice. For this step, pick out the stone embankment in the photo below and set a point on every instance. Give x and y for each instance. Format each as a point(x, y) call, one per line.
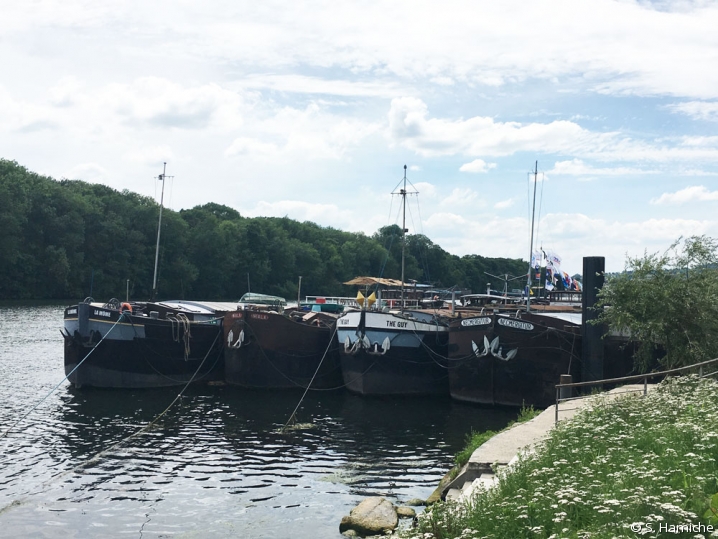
point(501, 450)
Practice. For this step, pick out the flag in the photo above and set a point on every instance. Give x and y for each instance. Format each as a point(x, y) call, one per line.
point(549, 278)
point(536, 259)
point(553, 261)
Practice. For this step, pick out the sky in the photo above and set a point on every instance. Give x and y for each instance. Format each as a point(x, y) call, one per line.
point(311, 109)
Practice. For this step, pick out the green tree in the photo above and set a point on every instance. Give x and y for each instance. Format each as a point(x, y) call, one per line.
point(71, 239)
point(667, 303)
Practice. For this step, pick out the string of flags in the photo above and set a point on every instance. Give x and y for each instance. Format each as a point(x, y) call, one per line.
point(553, 271)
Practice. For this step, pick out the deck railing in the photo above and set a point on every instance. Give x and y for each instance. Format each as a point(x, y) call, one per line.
point(563, 389)
point(346, 301)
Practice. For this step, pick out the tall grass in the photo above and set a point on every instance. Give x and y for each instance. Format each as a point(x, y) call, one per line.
point(634, 467)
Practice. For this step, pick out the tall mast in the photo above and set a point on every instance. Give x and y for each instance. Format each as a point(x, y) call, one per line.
point(161, 177)
point(403, 236)
point(531, 245)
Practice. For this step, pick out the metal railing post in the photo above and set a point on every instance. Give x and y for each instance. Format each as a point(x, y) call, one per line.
point(645, 386)
point(566, 392)
point(557, 397)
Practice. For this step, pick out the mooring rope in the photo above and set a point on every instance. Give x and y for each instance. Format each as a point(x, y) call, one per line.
point(97, 456)
point(175, 380)
point(61, 381)
point(184, 324)
point(281, 373)
point(151, 423)
point(293, 416)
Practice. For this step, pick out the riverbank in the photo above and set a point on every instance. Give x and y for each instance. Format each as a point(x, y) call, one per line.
point(637, 466)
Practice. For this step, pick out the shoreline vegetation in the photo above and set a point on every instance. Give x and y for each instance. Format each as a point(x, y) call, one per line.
point(72, 239)
point(475, 439)
point(639, 466)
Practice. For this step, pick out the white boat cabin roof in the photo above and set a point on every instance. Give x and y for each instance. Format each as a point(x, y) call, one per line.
point(200, 307)
point(486, 299)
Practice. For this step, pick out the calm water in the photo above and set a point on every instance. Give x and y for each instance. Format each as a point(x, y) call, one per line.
point(216, 465)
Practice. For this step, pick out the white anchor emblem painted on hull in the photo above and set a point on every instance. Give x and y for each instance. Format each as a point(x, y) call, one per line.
point(494, 348)
point(365, 344)
point(230, 338)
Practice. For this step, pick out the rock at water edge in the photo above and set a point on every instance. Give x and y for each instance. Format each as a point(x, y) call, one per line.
point(405, 512)
point(372, 516)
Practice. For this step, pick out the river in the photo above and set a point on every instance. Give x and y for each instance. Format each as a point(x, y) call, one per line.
point(216, 464)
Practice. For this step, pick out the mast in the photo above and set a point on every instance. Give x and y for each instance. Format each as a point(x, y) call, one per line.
point(531, 245)
point(161, 177)
point(403, 237)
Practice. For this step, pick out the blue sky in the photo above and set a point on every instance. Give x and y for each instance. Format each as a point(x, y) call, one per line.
point(311, 110)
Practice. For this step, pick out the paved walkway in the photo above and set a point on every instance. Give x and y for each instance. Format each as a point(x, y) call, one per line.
point(503, 448)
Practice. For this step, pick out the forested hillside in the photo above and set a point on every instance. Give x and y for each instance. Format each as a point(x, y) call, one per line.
point(69, 239)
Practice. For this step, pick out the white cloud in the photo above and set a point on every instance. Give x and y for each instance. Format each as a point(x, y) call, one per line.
point(699, 141)
point(298, 210)
point(312, 132)
point(65, 92)
point(296, 83)
point(502, 205)
point(26, 116)
point(443, 81)
point(250, 146)
point(89, 172)
point(154, 155)
point(462, 197)
point(426, 189)
point(699, 110)
point(146, 102)
point(410, 127)
point(162, 103)
point(577, 167)
point(572, 236)
point(696, 172)
point(595, 42)
point(477, 166)
point(696, 193)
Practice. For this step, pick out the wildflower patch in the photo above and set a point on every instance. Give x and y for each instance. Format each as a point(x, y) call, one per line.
point(633, 467)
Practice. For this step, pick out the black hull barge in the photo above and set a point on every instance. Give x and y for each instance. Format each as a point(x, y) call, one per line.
point(143, 344)
point(265, 349)
point(394, 353)
point(513, 360)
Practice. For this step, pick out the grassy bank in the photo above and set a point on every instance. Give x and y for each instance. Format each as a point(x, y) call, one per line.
point(636, 467)
point(475, 439)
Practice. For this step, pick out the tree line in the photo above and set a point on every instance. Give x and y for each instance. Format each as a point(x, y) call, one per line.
point(71, 239)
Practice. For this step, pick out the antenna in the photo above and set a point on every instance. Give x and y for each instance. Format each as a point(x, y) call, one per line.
point(531, 245)
point(404, 230)
point(162, 177)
